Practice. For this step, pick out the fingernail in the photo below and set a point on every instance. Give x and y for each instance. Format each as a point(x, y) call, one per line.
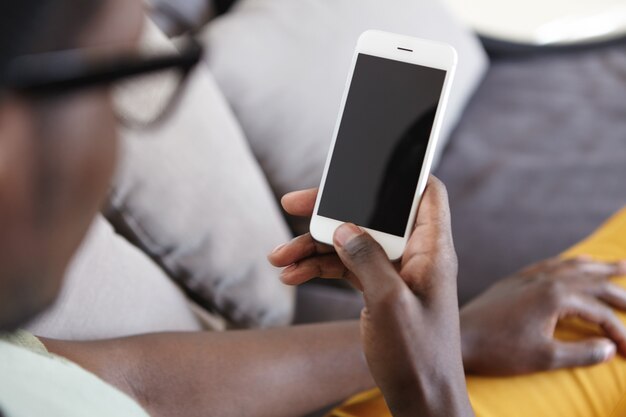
point(346, 232)
point(279, 247)
point(608, 351)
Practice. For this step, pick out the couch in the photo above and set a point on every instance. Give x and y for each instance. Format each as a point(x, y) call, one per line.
point(535, 161)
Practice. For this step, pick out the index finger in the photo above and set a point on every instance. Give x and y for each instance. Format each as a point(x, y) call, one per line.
point(300, 203)
point(605, 269)
point(434, 207)
point(591, 310)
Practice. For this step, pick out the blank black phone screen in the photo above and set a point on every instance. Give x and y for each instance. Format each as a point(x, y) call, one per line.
point(381, 143)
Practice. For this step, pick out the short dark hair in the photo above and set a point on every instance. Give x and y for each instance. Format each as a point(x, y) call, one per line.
point(33, 26)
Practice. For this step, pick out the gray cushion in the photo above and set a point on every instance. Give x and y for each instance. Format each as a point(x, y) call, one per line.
point(193, 197)
point(282, 65)
point(538, 161)
point(169, 15)
point(112, 289)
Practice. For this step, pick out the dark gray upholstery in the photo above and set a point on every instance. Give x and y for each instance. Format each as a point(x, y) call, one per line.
point(538, 161)
point(317, 302)
point(536, 164)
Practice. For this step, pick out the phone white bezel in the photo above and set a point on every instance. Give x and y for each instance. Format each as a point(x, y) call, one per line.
point(405, 49)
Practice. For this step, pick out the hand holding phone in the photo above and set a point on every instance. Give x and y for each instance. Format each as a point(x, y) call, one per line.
point(385, 138)
point(410, 328)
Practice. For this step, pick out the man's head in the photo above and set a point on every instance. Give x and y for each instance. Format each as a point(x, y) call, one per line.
point(57, 152)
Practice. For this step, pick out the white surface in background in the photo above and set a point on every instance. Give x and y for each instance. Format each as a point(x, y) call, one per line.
point(544, 22)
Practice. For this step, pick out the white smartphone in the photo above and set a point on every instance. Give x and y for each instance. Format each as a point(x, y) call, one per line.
point(385, 138)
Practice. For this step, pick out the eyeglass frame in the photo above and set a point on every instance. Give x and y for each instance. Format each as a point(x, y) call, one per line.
point(62, 72)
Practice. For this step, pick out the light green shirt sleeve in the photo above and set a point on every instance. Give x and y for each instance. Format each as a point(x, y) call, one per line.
point(25, 340)
point(34, 382)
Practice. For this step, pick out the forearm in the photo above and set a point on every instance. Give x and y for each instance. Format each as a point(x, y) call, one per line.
point(437, 396)
point(432, 383)
point(281, 372)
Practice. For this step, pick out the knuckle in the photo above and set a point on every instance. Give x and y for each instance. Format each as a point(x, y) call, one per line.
point(546, 358)
point(605, 288)
point(609, 321)
point(551, 264)
point(576, 261)
point(565, 266)
point(613, 290)
point(554, 290)
point(606, 313)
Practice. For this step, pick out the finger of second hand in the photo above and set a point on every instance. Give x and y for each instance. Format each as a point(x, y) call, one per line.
point(612, 294)
point(594, 311)
point(606, 269)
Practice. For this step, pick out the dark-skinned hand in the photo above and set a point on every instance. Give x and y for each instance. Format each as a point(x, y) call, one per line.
point(509, 329)
point(410, 323)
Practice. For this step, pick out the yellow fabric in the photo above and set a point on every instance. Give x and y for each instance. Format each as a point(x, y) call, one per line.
point(598, 391)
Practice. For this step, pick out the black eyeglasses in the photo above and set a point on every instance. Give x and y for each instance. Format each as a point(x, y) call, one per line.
point(66, 71)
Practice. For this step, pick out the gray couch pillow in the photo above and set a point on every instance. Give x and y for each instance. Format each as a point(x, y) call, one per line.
point(112, 289)
point(282, 64)
point(192, 196)
point(190, 12)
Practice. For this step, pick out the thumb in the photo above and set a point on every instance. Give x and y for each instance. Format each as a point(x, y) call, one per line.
point(583, 353)
point(367, 260)
point(388, 319)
